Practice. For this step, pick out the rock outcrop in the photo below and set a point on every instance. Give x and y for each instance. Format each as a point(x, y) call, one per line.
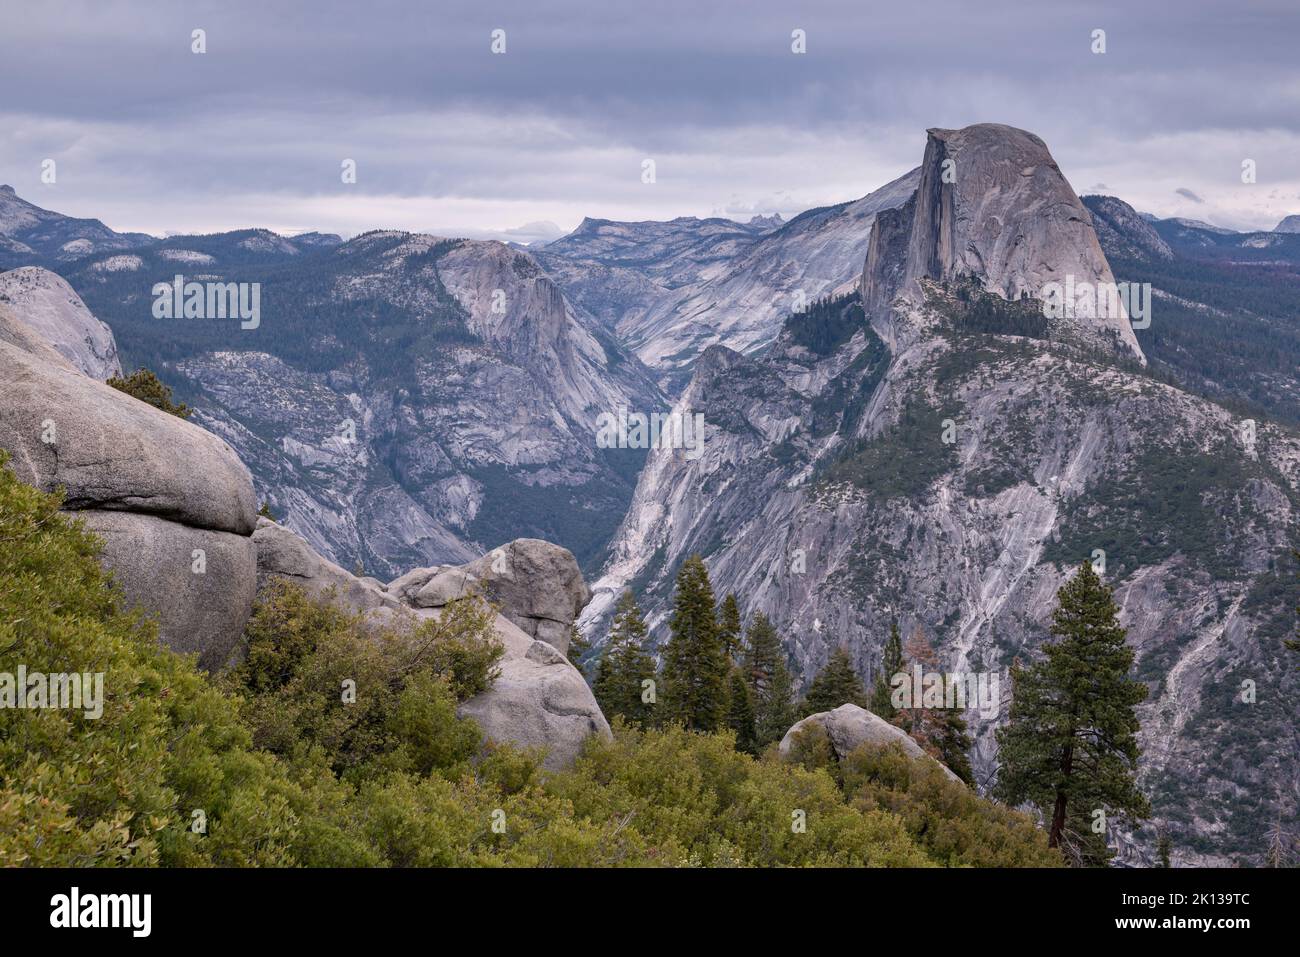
point(537, 585)
point(172, 502)
point(849, 727)
point(539, 699)
point(1289, 224)
point(952, 479)
point(48, 305)
point(992, 205)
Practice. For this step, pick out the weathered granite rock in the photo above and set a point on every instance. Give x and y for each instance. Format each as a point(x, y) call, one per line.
point(993, 205)
point(283, 553)
point(112, 451)
point(199, 582)
point(849, 727)
point(539, 699)
point(536, 584)
point(165, 496)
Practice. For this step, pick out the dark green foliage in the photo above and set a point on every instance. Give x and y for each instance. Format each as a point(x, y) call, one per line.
point(625, 663)
point(1173, 499)
point(903, 460)
point(1246, 345)
point(836, 684)
point(740, 711)
point(315, 679)
point(975, 311)
point(955, 826)
point(1070, 746)
point(891, 663)
point(769, 681)
point(730, 628)
point(579, 649)
point(264, 510)
point(827, 323)
point(694, 667)
point(145, 386)
point(940, 731)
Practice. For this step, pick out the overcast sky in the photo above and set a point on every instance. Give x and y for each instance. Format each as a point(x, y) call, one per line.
point(450, 138)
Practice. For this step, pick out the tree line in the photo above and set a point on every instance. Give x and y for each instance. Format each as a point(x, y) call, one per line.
point(1069, 749)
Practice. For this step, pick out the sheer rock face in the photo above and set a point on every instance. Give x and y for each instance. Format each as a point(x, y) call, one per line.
point(675, 289)
point(57, 315)
point(487, 434)
point(1290, 224)
point(828, 498)
point(849, 727)
point(172, 502)
point(992, 204)
point(539, 699)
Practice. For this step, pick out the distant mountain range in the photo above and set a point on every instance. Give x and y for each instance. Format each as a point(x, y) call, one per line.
point(894, 429)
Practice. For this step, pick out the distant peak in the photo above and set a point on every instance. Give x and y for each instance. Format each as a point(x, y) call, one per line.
point(8, 189)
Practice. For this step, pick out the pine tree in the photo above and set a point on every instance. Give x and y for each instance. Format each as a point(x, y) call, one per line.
point(1164, 846)
point(836, 684)
point(579, 647)
point(695, 669)
point(941, 731)
point(740, 713)
point(1070, 746)
point(729, 627)
point(147, 387)
point(769, 681)
point(624, 665)
point(891, 664)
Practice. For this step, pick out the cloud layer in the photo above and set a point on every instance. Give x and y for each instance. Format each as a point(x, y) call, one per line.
point(451, 138)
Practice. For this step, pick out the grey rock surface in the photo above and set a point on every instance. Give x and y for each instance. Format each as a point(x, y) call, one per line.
point(849, 727)
point(992, 204)
point(46, 303)
point(537, 585)
point(112, 451)
point(156, 563)
point(539, 698)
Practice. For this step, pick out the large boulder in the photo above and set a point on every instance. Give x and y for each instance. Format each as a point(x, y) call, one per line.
point(172, 502)
point(538, 700)
point(284, 554)
point(537, 585)
point(849, 727)
point(199, 582)
point(109, 450)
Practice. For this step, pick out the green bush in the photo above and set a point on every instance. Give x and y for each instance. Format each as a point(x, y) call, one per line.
point(282, 772)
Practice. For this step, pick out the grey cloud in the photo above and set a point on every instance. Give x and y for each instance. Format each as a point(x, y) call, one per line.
point(557, 125)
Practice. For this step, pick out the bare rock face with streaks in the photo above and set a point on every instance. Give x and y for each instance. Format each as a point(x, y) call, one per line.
point(938, 455)
point(48, 305)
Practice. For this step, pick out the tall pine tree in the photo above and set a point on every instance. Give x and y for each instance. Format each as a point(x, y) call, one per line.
point(890, 664)
point(740, 713)
point(1070, 746)
point(729, 627)
point(695, 669)
point(836, 684)
point(941, 731)
point(769, 681)
point(624, 665)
